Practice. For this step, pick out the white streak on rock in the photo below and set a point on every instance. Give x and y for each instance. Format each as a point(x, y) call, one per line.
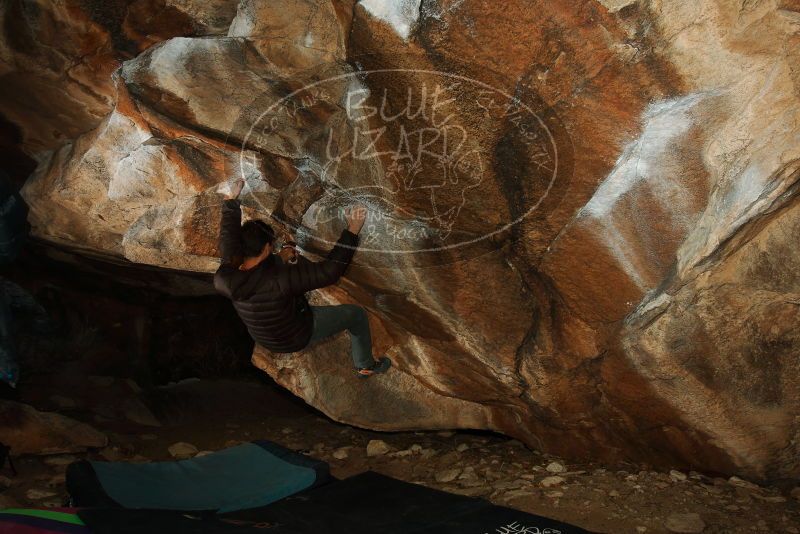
point(623, 253)
point(243, 24)
point(615, 5)
point(168, 61)
point(664, 122)
point(401, 15)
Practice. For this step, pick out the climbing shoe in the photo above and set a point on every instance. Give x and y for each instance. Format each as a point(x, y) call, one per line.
point(380, 366)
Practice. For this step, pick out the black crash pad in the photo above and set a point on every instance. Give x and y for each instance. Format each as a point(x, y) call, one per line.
point(369, 503)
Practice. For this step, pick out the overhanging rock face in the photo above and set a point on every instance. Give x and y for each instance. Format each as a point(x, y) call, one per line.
point(583, 214)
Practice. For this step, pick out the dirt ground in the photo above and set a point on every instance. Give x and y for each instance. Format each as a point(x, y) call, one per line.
point(211, 415)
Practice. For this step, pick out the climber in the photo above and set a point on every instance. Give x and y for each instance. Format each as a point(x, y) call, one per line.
point(268, 290)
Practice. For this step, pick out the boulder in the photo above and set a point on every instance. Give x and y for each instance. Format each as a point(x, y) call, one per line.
point(133, 183)
point(148, 22)
point(582, 217)
point(29, 431)
point(56, 64)
point(135, 410)
point(295, 35)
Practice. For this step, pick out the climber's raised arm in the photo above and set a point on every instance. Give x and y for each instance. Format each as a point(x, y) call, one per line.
point(307, 275)
point(230, 230)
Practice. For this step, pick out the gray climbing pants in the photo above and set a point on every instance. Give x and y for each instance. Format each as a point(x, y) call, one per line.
point(330, 320)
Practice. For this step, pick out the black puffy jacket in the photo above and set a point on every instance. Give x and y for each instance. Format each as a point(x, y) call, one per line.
point(270, 298)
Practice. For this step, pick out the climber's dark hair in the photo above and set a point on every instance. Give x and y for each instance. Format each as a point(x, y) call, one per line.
point(255, 235)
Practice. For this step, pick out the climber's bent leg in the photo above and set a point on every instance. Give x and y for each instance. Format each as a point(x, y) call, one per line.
point(329, 320)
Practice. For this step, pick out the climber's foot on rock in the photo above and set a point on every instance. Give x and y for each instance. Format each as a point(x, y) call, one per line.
point(380, 366)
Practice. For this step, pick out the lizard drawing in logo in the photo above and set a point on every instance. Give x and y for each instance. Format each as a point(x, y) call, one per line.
point(421, 161)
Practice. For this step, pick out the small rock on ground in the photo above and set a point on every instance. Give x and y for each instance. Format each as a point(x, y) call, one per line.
point(35, 494)
point(377, 447)
point(514, 494)
point(447, 475)
point(770, 498)
point(427, 453)
point(548, 482)
point(736, 481)
point(182, 450)
point(685, 523)
point(111, 454)
point(677, 476)
point(59, 460)
point(341, 453)
point(556, 467)
point(476, 491)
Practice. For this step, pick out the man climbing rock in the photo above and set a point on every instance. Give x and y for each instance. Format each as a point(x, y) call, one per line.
point(268, 292)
